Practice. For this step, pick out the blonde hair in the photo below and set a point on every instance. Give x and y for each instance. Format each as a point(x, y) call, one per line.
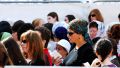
point(37, 22)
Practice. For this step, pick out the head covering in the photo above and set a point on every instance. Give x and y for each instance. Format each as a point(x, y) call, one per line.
point(64, 43)
point(61, 33)
point(80, 27)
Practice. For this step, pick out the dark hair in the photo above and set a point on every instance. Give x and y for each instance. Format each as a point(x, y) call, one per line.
point(5, 27)
point(24, 28)
point(70, 17)
point(119, 15)
point(14, 52)
point(4, 58)
point(17, 25)
point(114, 32)
point(53, 14)
point(103, 48)
point(49, 26)
point(45, 34)
point(93, 24)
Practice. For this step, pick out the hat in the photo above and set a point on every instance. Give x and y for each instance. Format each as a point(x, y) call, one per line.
point(64, 43)
point(61, 33)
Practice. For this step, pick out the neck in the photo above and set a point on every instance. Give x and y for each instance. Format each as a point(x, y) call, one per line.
point(79, 44)
point(106, 61)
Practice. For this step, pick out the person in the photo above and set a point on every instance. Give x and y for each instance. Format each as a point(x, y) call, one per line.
point(14, 52)
point(103, 50)
point(69, 18)
point(15, 28)
point(37, 22)
point(96, 16)
point(4, 57)
point(34, 48)
point(52, 17)
point(45, 35)
point(119, 17)
point(83, 51)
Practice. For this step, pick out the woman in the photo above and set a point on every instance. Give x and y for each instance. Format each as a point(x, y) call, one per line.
point(103, 50)
point(83, 51)
point(34, 47)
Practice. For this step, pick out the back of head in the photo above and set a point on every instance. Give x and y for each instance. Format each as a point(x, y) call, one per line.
point(17, 25)
point(70, 17)
point(24, 28)
point(45, 34)
point(49, 26)
point(14, 52)
point(5, 27)
point(61, 33)
point(37, 22)
point(103, 48)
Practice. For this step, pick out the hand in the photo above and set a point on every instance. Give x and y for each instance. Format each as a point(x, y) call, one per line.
point(57, 61)
point(96, 63)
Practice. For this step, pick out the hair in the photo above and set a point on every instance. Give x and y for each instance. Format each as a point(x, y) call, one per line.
point(37, 22)
point(103, 48)
point(49, 26)
point(54, 14)
point(70, 17)
point(119, 15)
point(14, 52)
point(4, 58)
point(114, 32)
point(17, 25)
point(24, 28)
point(35, 47)
point(5, 27)
point(93, 24)
point(45, 34)
point(97, 14)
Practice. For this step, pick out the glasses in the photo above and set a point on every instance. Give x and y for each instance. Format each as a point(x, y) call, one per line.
point(93, 15)
point(23, 41)
point(70, 33)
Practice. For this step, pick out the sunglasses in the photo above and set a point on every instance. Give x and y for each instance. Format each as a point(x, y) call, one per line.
point(70, 33)
point(23, 41)
point(93, 15)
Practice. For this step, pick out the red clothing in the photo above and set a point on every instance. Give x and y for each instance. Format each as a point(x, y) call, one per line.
point(49, 58)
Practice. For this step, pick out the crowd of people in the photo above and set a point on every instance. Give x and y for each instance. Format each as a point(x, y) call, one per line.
point(74, 42)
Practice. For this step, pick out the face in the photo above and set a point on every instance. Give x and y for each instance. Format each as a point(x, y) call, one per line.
point(51, 19)
point(93, 17)
point(14, 35)
point(66, 20)
point(73, 37)
point(24, 45)
point(61, 50)
point(93, 32)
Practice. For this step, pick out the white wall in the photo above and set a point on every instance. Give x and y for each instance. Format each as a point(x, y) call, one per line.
point(28, 12)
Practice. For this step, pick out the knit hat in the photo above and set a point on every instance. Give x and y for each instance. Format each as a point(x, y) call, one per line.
point(64, 43)
point(61, 33)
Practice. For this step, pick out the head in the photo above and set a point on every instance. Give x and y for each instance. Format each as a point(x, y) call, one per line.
point(34, 44)
point(69, 18)
point(103, 49)
point(15, 28)
point(77, 31)
point(24, 28)
point(49, 26)
point(52, 17)
point(93, 29)
point(119, 17)
point(14, 52)
point(5, 27)
point(114, 32)
point(37, 22)
point(95, 14)
point(45, 34)
point(63, 47)
point(61, 33)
